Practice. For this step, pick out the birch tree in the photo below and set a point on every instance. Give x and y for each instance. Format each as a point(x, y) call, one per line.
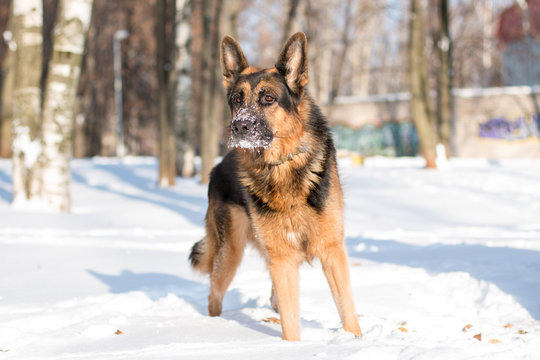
point(185, 125)
point(27, 23)
point(69, 36)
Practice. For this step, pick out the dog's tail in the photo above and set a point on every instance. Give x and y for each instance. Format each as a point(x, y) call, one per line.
point(200, 256)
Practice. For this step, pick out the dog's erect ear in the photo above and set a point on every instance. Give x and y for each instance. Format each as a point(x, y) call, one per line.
point(292, 63)
point(232, 60)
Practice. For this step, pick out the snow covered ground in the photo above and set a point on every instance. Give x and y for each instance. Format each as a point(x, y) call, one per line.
point(444, 265)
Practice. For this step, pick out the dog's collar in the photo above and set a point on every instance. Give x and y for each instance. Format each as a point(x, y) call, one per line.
point(289, 157)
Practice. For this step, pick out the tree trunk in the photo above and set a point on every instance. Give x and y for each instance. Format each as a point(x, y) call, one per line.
point(444, 77)
point(316, 49)
point(8, 73)
point(291, 15)
point(212, 113)
point(418, 85)
point(228, 26)
point(340, 61)
point(60, 99)
point(165, 31)
point(197, 66)
point(231, 24)
point(27, 23)
point(184, 118)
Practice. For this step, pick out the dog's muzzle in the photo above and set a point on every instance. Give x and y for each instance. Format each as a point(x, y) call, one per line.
point(249, 130)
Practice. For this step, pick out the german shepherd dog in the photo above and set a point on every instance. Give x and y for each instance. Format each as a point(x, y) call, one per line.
point(278, 188)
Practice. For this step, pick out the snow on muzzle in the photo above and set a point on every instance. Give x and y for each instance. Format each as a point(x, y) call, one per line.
point(249, 130)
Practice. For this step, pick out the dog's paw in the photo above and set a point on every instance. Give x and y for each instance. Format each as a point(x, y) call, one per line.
point(214, 308)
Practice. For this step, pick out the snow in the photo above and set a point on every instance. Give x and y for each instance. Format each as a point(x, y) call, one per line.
point(436, 257)
point(23, 143)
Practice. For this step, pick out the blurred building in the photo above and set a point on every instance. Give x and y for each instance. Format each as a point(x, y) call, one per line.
point(493, 123)
point(519, 34)
point(497, 122)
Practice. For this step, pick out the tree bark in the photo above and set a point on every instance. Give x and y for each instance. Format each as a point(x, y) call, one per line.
point(8, 73)
point(233, 9)
point(184, 118)
point(444, 77)
point(197, 66)
point(418, 85)
point(291, 15)
point(212, 113)
point(228, 26)
point(316, 49)
point(340, 61)
point(165, 32)
point(60, 100)
point(27, 23)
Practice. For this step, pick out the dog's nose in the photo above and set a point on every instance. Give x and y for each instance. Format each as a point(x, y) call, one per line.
point(241, 127)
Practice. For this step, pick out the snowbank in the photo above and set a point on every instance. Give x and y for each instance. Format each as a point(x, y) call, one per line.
point(444, 265)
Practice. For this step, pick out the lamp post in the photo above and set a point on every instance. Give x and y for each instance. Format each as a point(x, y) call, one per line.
point(119, 35)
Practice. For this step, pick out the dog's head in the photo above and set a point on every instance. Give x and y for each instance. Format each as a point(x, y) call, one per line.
point(265, 102)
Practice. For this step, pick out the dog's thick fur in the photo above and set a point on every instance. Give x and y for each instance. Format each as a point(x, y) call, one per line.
point(278, 188)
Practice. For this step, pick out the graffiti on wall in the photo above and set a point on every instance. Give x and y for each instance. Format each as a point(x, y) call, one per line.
point(390, 139)
point(523, 127)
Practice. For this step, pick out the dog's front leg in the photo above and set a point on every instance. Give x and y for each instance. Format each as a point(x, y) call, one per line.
point(336, 270)
point(284, 273)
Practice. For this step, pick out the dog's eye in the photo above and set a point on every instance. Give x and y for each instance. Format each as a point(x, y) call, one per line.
point(237, 99)
point(268, 99)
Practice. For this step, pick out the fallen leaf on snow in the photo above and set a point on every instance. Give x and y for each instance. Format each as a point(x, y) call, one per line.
point(494, 341)
point(522, 332)
point(508, 326)
point(118, 332)
point(272, 320)
point(478, 337)
point(4, 350)
point(402, 329)
point(466, 327)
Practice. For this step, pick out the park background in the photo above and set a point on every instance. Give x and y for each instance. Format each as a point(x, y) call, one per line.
point(394, 78)
point(113, 114)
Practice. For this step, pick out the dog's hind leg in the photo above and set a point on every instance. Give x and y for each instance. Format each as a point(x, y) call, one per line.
point(232, 240)
point(226, 262)
point(335, 267)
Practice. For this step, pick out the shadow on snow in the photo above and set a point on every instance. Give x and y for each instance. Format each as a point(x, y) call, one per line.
point(5, 194)
point(190, 207)
point(514, 271)
point(158, 285)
